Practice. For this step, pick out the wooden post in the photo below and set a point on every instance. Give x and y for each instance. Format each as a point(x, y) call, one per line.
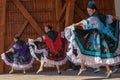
point(2, 30)
point(69, 18)
point(70, 13)
point(58, 10)
point(23, 28)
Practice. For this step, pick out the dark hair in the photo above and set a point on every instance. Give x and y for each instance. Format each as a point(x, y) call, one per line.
point(92, 5)
point(49, 26)
point(17, 37)
point(101, 16)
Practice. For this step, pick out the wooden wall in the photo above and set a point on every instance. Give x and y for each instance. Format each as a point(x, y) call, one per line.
point(2, 30)
point(28, 17)
point(42, 11)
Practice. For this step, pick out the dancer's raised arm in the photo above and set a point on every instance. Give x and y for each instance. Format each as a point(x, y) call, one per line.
point(78, 24)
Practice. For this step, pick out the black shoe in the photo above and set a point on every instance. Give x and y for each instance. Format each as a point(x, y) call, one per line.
point(59, 73)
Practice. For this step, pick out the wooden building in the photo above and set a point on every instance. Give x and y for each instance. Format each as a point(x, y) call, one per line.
point(28, 17)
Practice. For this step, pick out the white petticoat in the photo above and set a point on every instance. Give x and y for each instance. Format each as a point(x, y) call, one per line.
point(90, 61)
point(17, 66)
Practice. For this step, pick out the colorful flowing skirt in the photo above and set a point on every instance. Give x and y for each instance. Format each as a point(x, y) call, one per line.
point(18, 61)
point(44, 54)
point(92, 46)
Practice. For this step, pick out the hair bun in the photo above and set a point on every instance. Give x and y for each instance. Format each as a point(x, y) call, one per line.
point(17, 36)
point(49, 26)
point(91, 3)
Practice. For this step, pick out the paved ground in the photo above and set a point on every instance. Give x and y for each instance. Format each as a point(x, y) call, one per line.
point(66, 75)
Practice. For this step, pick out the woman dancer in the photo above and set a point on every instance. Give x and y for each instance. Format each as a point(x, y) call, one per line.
point(97, 42)
point(55, 51)
point(18, 56)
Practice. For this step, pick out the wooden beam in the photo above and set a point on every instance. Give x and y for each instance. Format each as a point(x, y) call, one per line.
point(113, 8)
point(80, 12)
point(2, 30)
point(70, 13)
point(60, 13)
point(23, 28)
point(20, 32)
point(63, 19)
point(27, 15)
point(63, 11)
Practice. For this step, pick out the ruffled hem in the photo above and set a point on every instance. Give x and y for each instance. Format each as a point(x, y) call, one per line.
point(91, 61)
point(74, 60)
point(17, 66)
point(96, 62)
point(52, 62)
